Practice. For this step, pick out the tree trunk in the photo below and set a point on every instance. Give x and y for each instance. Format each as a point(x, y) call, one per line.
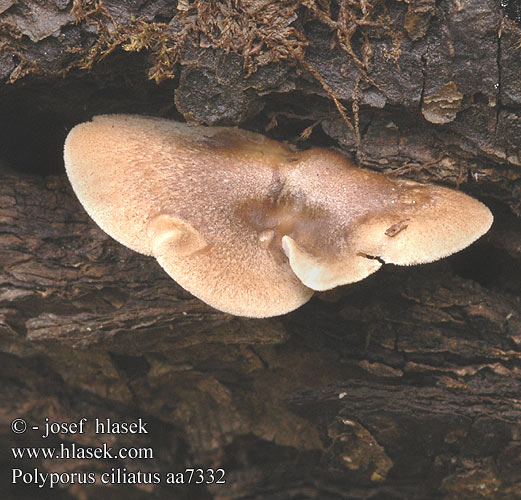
point(406, 385)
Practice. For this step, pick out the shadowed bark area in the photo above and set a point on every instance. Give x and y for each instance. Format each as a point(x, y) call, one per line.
point(406, 385)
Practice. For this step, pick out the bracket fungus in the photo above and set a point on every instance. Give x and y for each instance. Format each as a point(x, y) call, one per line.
point(250, 226)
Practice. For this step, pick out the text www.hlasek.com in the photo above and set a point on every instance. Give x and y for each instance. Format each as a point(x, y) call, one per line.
point(72, 452)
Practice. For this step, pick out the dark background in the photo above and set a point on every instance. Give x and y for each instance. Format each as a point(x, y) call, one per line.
point(406, 385)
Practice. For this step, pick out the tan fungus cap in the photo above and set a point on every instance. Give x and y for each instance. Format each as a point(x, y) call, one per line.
point(248, 225)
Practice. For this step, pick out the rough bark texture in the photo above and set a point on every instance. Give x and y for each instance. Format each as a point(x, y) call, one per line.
point(406, 385)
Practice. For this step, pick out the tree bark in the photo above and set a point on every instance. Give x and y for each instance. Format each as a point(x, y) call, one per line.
point(406, 385)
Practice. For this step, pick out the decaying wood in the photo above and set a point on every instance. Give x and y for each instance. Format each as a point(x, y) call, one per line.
point(406, 385)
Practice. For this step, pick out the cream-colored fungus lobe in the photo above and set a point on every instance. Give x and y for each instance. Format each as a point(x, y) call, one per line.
point(248, 225)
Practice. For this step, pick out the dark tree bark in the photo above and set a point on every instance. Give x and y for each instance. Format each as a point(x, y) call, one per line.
point(406, 385)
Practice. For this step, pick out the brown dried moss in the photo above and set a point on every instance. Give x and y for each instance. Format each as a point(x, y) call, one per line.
point(10, 40)
point(259, 31)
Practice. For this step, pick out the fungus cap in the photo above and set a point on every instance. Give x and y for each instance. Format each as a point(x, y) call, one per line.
point(248, 225)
